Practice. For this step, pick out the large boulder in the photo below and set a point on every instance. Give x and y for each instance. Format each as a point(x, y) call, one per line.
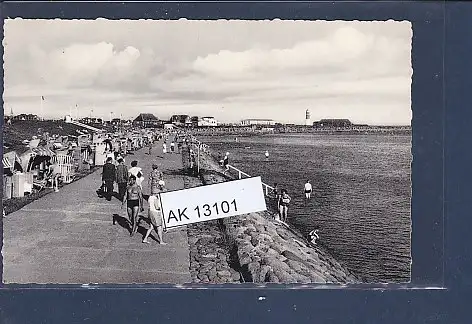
point(292, 256)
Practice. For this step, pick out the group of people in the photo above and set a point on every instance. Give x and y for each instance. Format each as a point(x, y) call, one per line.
point(130, 193)
point(172, 146)
point(283, 199)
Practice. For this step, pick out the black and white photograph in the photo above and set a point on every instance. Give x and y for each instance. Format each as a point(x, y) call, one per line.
point(207, 152)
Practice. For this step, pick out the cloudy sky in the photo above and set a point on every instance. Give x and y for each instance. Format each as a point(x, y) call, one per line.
point(227, 69)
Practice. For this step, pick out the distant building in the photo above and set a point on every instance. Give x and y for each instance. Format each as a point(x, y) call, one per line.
point(147, 120)
point(25, 117)
point(116, 121)
point(194, 121)
point(91, 120)
point(181, 120)
point(333, 123)
point(252, 122)
point(207, 122)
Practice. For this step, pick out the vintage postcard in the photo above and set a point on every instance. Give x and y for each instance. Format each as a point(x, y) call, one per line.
point(209, 152)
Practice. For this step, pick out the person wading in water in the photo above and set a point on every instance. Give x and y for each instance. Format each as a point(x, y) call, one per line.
point(308, 189)
point(134, 202)
point(284, 202)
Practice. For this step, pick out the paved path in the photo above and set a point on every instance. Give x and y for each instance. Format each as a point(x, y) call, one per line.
point(69, 236)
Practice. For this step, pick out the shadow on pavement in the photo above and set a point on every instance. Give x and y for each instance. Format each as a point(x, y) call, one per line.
point(122, 221)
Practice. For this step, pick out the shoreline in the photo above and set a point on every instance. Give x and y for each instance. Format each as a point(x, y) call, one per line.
point(257, 132)
point(265, 251)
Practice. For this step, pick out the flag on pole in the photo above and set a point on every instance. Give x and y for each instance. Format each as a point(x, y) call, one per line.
point(42, 97)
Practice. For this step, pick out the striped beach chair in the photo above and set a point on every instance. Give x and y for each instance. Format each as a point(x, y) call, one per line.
point(66, 167)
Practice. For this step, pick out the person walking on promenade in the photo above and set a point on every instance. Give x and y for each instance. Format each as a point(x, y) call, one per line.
point(150, 148)
point(308, 189)
point(134, 168)
point(164, 147)
point(116, 153)
point(110, 155)
point(134, 203)
point(137, 172)
point(172, 147)
point(121, 155)
point(155, 177)
point(121, 178)
point(284, 202)
point(108, 177)
point(267, 155)
point(155, 216)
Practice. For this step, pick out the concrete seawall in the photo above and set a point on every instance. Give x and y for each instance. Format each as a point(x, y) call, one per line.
point(269, 252)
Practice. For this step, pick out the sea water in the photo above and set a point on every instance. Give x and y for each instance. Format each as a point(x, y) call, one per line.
point(361, 193)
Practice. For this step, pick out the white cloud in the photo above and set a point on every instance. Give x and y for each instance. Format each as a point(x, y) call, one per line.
point(199, 66)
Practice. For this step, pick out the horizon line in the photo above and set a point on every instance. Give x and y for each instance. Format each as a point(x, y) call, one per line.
point(227, 122)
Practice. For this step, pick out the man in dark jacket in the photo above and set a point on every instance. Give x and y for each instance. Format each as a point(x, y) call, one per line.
point(108, 177)
point(121, 178)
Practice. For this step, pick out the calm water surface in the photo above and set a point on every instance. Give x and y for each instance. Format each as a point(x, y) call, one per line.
point(361, 193)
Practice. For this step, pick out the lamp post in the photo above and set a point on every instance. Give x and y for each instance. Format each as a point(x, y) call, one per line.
point(198, 158)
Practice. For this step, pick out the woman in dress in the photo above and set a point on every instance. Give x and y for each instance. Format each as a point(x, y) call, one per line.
point(134, 201)
point(155, 177)
point(154, 216)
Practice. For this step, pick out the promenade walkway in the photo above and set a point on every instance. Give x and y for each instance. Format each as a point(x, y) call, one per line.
point(69, 236)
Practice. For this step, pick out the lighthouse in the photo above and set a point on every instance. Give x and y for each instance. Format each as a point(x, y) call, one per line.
point(307, 118)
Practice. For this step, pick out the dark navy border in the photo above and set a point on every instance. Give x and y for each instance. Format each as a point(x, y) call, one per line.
point(440, 200)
